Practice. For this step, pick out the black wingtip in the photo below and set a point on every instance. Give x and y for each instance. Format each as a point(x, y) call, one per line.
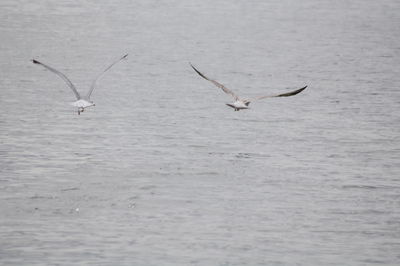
point(299, 90)
point(193, 67)
point(125, 56)
point(35, 61)
point(198, 72)
point(291, 93)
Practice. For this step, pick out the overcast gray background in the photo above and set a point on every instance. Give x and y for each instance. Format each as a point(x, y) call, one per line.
point(161, 172)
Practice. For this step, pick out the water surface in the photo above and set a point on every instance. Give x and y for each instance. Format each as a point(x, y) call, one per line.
point(161, 172)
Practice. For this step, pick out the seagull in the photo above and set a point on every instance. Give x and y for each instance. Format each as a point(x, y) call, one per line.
point(241, 104)
point(81, 102)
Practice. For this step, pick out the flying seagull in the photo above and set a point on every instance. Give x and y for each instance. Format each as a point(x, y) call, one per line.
point(239, 103)
point(82, 102)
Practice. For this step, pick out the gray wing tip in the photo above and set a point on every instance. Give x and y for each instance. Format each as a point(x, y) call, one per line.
point(125, 56)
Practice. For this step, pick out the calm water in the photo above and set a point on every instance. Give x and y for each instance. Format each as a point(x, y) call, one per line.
point(161, 172)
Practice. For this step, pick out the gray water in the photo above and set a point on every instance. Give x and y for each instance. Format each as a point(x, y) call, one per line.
point(161, 172)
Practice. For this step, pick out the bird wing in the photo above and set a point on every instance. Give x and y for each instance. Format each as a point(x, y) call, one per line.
point(105, 70)
point(291, 93)
point(61, 75)
point(219, 85)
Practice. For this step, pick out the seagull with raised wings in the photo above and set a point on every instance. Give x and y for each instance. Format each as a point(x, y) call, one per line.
point(239, 103)
point(82, 102)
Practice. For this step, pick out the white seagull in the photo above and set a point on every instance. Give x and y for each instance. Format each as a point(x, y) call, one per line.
point(239, 103)
point(82, 102)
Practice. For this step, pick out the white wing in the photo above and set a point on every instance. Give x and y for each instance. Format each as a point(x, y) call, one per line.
point(219, 85)
point(94, 82)
point(61, 75)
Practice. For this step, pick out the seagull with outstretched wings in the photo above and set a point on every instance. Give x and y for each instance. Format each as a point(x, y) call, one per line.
point(81, 102)
point(239, 103)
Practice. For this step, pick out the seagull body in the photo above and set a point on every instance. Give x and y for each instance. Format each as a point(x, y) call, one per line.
point(238, 105)
point(82, 102)
point(241, 104)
